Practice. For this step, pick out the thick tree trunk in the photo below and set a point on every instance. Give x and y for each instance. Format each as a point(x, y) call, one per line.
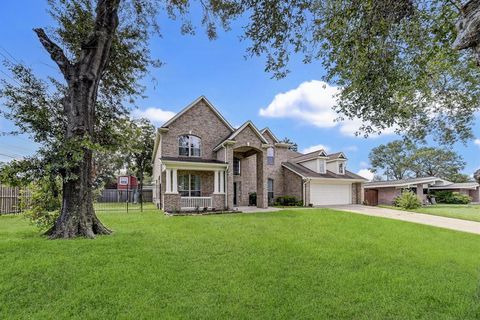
point(77, 216)
point(468, 28)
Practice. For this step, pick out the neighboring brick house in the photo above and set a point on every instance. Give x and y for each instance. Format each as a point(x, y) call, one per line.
point(201, 161)
point(385, 192)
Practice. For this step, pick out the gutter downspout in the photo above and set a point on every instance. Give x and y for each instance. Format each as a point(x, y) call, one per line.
point(305, 181)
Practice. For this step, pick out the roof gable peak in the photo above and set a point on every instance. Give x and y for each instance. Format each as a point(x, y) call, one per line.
point(194, 103)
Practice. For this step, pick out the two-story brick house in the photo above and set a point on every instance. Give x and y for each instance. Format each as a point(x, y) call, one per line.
point(201, 161)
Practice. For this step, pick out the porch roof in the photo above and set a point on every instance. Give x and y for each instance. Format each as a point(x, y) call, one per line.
point(193, 163)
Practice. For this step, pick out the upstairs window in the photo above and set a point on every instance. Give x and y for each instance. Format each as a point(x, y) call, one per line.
point(236, 166)
point(321, 166)
point(270, 156)
point(341, 168)
point(189, 146)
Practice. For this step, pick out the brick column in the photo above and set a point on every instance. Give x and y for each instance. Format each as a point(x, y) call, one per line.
point(262, 187)
point(229, 176)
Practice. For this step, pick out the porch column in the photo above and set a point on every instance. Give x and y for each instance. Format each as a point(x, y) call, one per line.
point(175, 184)
point(215, 182)
point(420, 191)
point(262, 188)
point(222, 181)
point(168, 181)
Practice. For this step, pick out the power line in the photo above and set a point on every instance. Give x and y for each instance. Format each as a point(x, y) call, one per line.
point(18, 62)
point(7, 155)
point(8, 76)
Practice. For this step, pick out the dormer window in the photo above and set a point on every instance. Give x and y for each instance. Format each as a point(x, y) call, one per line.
point(321, 166)
point(341, 168)
point(189, 146)
point(270, 156)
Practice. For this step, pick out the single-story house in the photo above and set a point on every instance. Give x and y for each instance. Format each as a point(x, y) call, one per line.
point(384, 192)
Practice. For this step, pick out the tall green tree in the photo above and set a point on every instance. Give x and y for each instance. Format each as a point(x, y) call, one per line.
point(437, 162)
point(401, 159)
point(476, 175)
point(392, 159)
point(141, 151)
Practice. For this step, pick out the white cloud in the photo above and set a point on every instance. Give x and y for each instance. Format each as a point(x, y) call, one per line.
point(367, 174)
point(315, 148)
point(351, 148)
point(477, 142)
point(156, 115)
point(364, 164)
point(312, 102)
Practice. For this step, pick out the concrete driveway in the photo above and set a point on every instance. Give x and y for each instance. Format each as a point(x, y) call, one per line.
point(431, 220)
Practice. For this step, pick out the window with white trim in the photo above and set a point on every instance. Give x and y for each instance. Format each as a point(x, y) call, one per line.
point(236, 166)
point(321, 166)
point(270, 156)
point(341, 168)
point(189, 185)
point(189, 146)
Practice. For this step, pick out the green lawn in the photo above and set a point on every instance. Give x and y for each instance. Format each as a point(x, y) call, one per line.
point(459, 211)
point(301, 264)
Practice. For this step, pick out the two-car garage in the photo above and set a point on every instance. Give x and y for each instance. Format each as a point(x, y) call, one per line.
point(323, 189)
point(322, 193)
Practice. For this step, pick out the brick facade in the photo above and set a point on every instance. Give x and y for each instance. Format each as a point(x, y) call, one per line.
point(387, 195)
point(294, 187)
point(199, 121)
point(203, 121)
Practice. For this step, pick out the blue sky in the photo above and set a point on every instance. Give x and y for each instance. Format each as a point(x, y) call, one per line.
point(296, 107)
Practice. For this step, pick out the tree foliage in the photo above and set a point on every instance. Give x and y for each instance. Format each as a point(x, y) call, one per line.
point(401, 159)
point(294, 145)
point(394, 60)
point(393, 159)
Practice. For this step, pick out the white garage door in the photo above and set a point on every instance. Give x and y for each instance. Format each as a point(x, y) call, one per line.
point(328, 194)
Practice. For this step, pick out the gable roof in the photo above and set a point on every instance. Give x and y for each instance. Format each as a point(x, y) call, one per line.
point(311, 155)
point(304, 172)
point(191, 105)
point(337, 155)
point(267, 130)
point(243, 127)
point(240, 129)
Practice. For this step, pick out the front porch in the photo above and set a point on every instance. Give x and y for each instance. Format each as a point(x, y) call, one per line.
point(189, 186)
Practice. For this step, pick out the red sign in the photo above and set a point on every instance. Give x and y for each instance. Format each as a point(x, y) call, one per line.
point(126, 182)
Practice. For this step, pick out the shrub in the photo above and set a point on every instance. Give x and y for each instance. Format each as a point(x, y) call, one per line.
point(450, 197)
point(43, 206)
point(288, 201)
point(407, 200)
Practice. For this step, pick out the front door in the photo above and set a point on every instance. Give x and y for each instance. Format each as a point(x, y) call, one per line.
point(371, 197)
point(235, 194)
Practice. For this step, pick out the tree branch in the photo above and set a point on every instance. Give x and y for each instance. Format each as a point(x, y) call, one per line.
point(56, 53)
point(96, 48)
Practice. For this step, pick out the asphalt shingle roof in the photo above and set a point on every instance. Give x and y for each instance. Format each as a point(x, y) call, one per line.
point(304, 171)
